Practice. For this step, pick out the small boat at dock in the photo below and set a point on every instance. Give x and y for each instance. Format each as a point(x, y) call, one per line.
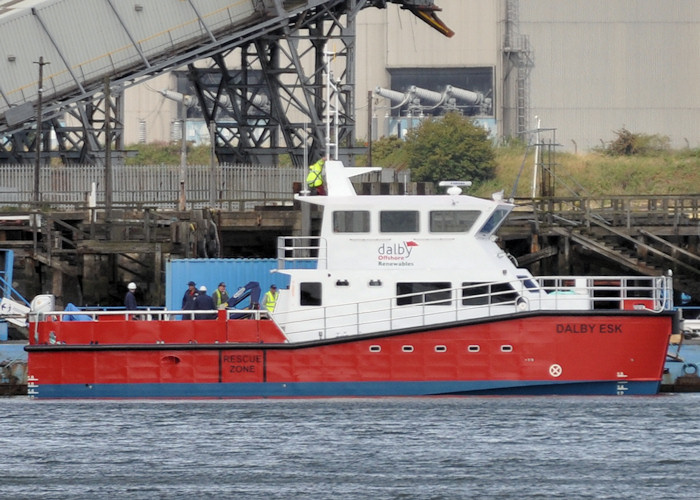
point(681, 372)
point(397, 296)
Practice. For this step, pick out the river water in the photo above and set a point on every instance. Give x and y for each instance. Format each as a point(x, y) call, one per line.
point(475, 447)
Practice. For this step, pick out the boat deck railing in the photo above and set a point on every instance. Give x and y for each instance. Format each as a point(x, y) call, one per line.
point(149, 314)
point(437, 306)
point(293, 251)
point(484, 300)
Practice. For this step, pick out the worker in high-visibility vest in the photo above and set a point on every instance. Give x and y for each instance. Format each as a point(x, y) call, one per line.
point(269, 301)
point(220, 296)
point(314, 180)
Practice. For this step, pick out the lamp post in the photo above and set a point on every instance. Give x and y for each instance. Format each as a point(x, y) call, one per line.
point(212, 164)
point(108, 150)
point(182, 200)
point(39, 127)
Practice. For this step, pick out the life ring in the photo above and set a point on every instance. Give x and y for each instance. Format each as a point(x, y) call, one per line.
point(690, 369)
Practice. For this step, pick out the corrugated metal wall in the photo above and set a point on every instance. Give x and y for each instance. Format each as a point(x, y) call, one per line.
point(394, 38)
point(601, 65)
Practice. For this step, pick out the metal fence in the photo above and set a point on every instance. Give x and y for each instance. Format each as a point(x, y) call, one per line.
point(230, 187)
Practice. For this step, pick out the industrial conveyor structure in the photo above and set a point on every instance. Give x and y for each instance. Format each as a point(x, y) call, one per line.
point(64, 65)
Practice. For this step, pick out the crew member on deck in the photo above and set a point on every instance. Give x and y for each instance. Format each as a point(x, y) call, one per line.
point(220, 296)
point(188, 300)
point(314, 180)
point(269, 301)
point(130, 298)
point(204, 302)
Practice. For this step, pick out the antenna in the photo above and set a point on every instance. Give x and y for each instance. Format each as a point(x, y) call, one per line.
point(537, 158)
point(334, 87)
point(454, 188)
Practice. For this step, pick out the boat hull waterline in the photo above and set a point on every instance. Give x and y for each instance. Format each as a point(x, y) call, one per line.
point(532, 354)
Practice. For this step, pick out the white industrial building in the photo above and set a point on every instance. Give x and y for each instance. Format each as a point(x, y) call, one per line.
point(583, 67)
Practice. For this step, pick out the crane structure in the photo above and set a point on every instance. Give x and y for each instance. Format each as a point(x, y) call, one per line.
point(256, 68)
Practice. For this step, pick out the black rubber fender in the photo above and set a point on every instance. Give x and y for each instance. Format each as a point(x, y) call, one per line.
point(690, 369)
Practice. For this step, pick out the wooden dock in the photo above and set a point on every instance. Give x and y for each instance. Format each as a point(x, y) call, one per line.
point(86, 255)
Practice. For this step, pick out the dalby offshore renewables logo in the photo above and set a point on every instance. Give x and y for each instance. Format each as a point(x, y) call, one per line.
point(396, 254)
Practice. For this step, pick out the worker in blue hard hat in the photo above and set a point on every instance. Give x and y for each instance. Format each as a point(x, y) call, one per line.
point(188, 300)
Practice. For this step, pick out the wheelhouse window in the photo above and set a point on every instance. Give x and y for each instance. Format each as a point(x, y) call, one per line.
point(529, 284)
point(431, 293)
point(452, 221)
point(398, 221)
point(475, 294)
point(351, 221)
point(481, 294)
point(494, 222)
point(310, 294)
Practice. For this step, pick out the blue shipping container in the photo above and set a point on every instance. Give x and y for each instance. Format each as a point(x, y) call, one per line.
point(210, 272)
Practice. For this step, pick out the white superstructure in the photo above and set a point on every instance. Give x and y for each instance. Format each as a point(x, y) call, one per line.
point(385, 263)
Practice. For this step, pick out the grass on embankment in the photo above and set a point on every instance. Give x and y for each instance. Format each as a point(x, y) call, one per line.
point(599, 174)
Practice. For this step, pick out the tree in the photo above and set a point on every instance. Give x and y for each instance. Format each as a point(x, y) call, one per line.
point(386, 152)
point(450, 148)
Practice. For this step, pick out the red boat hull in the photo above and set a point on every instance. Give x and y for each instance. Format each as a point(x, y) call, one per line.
point(621, 353)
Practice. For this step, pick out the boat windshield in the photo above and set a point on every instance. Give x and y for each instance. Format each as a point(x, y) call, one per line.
point(494, 222)
point(529, 284)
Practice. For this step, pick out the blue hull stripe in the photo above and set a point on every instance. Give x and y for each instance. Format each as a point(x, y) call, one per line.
point(344, 389)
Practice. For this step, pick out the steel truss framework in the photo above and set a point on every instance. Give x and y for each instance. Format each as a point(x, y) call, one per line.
point(273, 55)
point(270, 105)
point(275, 46)
point(80, 143)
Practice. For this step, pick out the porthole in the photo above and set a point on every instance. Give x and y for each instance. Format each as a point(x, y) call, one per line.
point(506, 348)
point(440, 348)
point(407, 348)
point(473, 348)
point(375, 348)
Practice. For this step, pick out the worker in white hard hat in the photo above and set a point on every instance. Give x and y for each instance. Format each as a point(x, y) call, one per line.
point(130, 298)
point(204, 302)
